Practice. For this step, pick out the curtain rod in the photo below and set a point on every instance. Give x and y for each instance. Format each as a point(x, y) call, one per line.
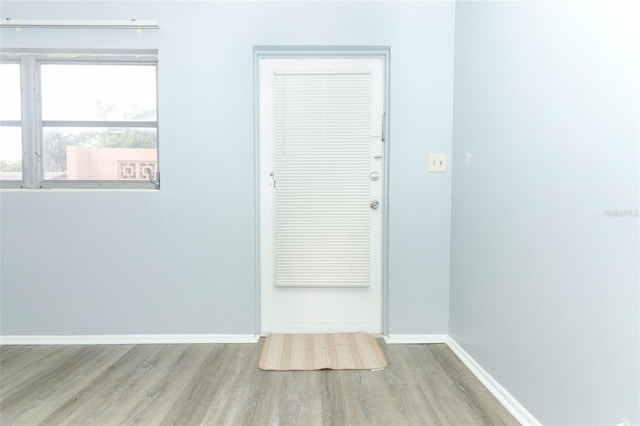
point(80, 24)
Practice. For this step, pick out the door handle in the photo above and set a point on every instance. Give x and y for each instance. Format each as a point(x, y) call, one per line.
point(374, 205)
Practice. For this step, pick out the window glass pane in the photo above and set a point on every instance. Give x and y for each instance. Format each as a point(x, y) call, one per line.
point(98, 92)
point(10, 92)
point(10, 153)
point(127, 154)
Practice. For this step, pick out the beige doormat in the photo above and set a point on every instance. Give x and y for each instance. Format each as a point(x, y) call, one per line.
point(344, 351)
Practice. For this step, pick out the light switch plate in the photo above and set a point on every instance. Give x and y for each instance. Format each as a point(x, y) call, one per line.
point(437, 163)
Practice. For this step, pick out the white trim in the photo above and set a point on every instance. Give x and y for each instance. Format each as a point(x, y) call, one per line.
point(415, 339)
point(501, 394)
point(127, 339)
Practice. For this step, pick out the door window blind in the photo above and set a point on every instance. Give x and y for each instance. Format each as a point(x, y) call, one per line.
point(322, 163)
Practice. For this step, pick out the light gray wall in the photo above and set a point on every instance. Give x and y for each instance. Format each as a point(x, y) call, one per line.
point(544, 285)
point(182, 260)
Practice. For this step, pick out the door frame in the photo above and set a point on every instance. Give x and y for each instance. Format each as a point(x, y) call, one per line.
point(293, 52)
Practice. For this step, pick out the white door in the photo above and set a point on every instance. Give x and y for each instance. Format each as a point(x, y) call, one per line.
point(321, 146)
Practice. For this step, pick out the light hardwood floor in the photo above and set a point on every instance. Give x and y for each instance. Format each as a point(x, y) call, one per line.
point(220, 384)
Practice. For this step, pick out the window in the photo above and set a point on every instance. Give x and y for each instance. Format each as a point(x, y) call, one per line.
point(78, 120)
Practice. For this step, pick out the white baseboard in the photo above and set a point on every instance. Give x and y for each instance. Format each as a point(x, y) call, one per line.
point(127, 339)
point(505, 398)
point(412, 339)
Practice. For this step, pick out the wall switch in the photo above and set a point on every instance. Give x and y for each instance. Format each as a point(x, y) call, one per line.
point(437, 163)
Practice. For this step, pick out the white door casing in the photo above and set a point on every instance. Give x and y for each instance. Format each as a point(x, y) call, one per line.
point(321, 168)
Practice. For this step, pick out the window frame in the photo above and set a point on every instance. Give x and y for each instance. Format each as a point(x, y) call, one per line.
point(32, 123)
point(13, 59)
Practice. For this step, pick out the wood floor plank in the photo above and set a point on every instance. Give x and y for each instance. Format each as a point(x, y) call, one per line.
point(406, 393)
point(220, 384)
point(234, 399)
point(40, 397)
point(192, 405)
point(138, 388)
point(105, 392)
point(29, 364)
point(166, 389)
